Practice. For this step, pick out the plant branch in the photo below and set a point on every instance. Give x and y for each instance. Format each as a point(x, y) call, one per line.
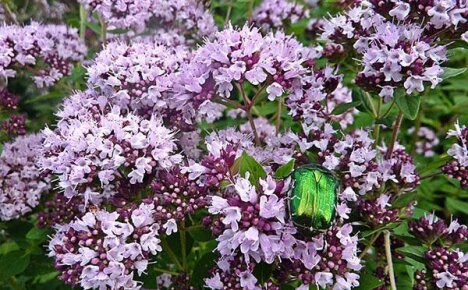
point(166, 271)
point(371, 243)
point(247, 108)
point(183, 244)
point(83, 16)
point(388, 254)
point(278, 116)
point(103, 31)
point(171, 253)
point(396, 130)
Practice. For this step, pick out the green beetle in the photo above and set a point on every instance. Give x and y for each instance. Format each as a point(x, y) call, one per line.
point(313, 198)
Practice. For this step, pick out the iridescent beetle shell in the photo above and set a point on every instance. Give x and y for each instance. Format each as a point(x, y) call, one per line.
point(313, 198)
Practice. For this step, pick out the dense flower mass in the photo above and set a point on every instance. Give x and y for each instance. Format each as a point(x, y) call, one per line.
point(448, 15)
point(427, 141)
point(188, 16)
point(253, 221)
point(136, 77)
point(274, 62)
point(276, 13)
point(104, 250)
point(21, 181)
point(393, 54)
point(51, 49)
point(458, 168)
point(233, 144)
point(104, 152)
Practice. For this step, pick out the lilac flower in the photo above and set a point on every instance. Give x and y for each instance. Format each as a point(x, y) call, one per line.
point(102, 152)
point(188, 16)
point(104, 249)
point(397, 55)
point(21, 181)
point(276, 13)
point(56, 46)
point(430, 229)
point(439, 14)
point(8, 100)
point(15, 125)
point(378, 212)
point(459, 151)
point(447, 268)
point(137, 77)
point(175, 196)
point(275, 63)
point(428, 140)
point(327, 260)
point(61, 210)
point(254, 221)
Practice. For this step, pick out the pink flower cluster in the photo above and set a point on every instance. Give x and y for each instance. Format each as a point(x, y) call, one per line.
point(137, 77)
point(275, 62)
point(276, 13)
point(56, 46)
point(187, 16)
point(392, 54)
point(21, 181)
point(103, 250)
point(458, 168)
point(101, 151)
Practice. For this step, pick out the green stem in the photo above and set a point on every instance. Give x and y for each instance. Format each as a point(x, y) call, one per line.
point(171, 254)
point(369, 99)
point(247, 108)
point(103, 31)
point(389, 109)
point(278, 116)
point(396, 130)
point(83, 16)
point(183, 244)
point(377, 126)
point(388, 254)
point(166, 271)
point(371, 243)
point(251, 5)
point(228, 14)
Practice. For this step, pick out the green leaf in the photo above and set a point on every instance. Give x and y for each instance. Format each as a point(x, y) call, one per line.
point(94, 27)
point(263, 272)
point(44, 278)
point(284, 170)
point(13, 263)
point(452, 72)
point(37, 234)
point(341, 108)
point(404, 199)
point(414, 252)
point(365, 103)
point(200, 234)
point(202, 266)
point(408, 104)
point(249, 164)
point(8, 247)
point(455, 205)
point(368, 281)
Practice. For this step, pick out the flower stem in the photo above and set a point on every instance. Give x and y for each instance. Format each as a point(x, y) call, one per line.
point(247, 109)
point(166, 271)
point(377, 126)
point(228, 14)
point(183, 244)
point(171, 254)
point(388, 254)
point(103, 31)
point(371, 243)
point(278, 116)
point(396, 130)
point(83, 16)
